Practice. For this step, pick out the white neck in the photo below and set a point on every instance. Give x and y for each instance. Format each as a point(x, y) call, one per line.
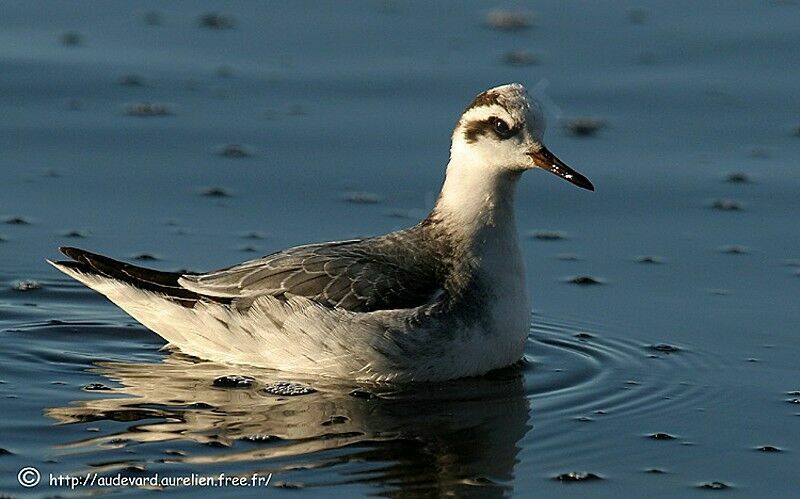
point(478, 202)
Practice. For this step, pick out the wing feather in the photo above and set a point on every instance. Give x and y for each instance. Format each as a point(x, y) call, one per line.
point(359, 275)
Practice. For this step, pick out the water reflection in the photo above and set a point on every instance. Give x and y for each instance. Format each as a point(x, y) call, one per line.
point(444, 438)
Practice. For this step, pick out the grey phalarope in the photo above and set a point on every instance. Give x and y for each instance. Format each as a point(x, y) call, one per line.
point(443, 299)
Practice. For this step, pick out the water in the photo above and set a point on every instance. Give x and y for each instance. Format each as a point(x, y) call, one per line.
point(344, 113)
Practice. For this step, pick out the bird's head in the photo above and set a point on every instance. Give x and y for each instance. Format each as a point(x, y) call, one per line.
point(502, 130)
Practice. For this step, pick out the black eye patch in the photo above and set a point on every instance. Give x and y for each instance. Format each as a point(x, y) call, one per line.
point(474, 129)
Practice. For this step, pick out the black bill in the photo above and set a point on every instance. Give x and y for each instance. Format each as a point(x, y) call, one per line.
point(546, 160)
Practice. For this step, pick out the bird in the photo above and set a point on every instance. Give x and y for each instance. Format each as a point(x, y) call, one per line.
point(441, 300)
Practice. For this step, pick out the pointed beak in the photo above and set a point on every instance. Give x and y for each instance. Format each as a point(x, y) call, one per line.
point(546, 160)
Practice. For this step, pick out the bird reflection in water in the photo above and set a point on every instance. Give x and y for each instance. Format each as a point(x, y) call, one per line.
point(432, 438)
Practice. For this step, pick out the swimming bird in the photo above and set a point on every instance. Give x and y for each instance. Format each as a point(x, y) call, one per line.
point(443, 299)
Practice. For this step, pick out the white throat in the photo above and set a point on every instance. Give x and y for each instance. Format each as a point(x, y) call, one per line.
point(478, 202)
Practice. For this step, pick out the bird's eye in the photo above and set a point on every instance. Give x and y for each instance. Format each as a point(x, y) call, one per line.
point(501, 128)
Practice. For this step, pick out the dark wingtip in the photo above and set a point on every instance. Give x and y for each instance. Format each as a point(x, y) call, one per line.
point(74, 253)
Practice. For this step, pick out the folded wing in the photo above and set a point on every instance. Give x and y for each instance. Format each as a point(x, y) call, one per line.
point(354, 275)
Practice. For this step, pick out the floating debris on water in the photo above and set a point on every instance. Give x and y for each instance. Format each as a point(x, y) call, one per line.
point(5, 452)
point(284, 388)
point(335, 420)
point(521, 58)
point(234, 381)
point(214, 20)
point(727, 205)
point(548, 235)
point(360, 393)
point(738, 178)
point(655, 471)
point(637, 16)
point(235, 151)
point(663, 348)
point(734, 249)
point(255, 235)
point(649, 259)
point(713, 486)
point(26, 285)
point(793, 401)
point(224, 71)
point(769, 448)
point(248, 249)
point(584, 336)
point(568, 257)
point(584, 280)
point(577, 476)
point(72, 39)
point(74, 234)
point(509, 20)
point(152, 18)
point(362, 198)
point(282, 484)
point(660, 436)
point(584, 419)
point(584, 126)
point(297, 110)
point(17, 221)
point(131, 80)
point(146, 257)
point(148, 109)
point(216, 192)
point(96, 387)
point(260, 438)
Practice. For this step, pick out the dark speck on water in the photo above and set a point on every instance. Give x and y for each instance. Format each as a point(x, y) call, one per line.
point(738, 178)
point(286, 389)
point(714, 486)
point(131, 80)
point(72, 39)
point(360, 393)
point(283, 484)
point(17, 221)
point(548, 235)
point(146, 257)
point(260, 438)
point(27, 285)
point(362, 198)
point(584, 280)
point(727, 205)
point(769, 448)
point(234, 381)
point(649, 259)
point(661, 436)
point(509, 20)
point(577, 476)
point(213, 20)
point(237, 151)
point(734, 249)
point(584, 127)
point(96, 387)
point(148, 109)
point(152, 18)
point(521, 58)
point(216, 192)
point(334, 420)
point(664, 348)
